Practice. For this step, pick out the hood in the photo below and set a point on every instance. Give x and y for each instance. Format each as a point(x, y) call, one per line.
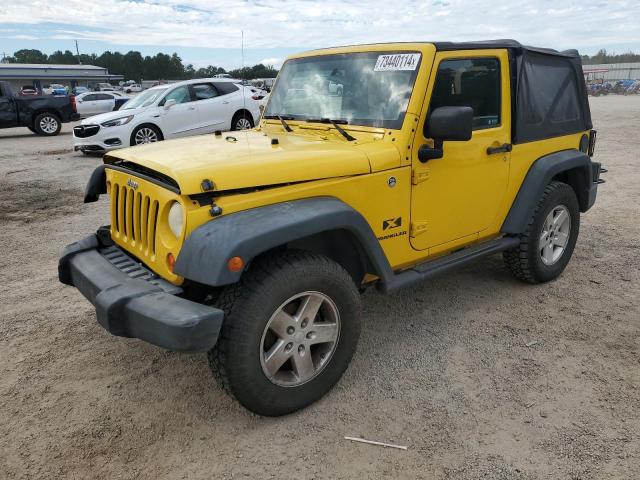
point(105, 117)
point(242, 159)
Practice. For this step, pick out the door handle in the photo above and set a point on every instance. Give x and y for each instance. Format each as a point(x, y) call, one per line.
point(504, 148)
point(192, 108)
point(225, 103)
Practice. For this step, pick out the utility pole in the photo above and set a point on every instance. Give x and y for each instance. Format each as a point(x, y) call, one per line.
point(78, 53)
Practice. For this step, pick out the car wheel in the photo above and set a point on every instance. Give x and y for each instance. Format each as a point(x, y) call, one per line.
point(291, 327)
point(547, 244)
point(145, 134)
point(241, 121)
point(47, 124)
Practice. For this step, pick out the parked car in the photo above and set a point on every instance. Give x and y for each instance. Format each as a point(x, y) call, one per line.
point(256, 247)
point(43, 115)
point(79, 90)
point(133, 88)
point(94, 103)
point(54, 89)
point(181, 109)
point(28, 91)
point(105, 87)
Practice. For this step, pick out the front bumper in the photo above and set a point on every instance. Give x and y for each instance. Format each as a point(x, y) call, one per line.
point(131, 301)
point(95, 138)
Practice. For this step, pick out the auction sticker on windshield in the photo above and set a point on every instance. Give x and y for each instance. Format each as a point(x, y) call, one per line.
point(397, 61)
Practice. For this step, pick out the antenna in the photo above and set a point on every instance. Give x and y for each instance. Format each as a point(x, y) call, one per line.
point(242, 73)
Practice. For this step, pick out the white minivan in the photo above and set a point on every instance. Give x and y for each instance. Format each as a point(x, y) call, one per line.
point(192, 107)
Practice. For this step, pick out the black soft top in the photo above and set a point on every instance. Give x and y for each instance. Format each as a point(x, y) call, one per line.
point(549, 96)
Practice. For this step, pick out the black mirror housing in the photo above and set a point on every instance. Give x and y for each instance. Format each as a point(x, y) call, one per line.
point(454, 124)
point(450, 124)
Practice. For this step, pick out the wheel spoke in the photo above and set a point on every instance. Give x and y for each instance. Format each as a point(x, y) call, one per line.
point(303, 365)
point(561, 239)
point(543, 239)
point(309, 307)
point(275, 357)
point(547, 253)
point(324, 333)
point(280, 322)
point(561, 218)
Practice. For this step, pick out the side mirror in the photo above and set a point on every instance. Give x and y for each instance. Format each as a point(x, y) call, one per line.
point(169, 103)
point(454, 124)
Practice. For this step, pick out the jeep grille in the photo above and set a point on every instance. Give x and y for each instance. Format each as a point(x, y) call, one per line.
point(134, 217)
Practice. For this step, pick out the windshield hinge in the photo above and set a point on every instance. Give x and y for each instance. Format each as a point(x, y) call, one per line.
point(417, 228)
point(419, 175)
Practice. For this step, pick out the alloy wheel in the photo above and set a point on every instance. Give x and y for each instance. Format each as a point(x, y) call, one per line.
point(299, 339)
point(146, 135)
point(48, 124)
point(243, 123)
point(555, 235)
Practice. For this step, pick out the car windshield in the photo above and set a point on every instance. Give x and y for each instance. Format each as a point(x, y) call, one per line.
point(371, 89)
point(144, 99)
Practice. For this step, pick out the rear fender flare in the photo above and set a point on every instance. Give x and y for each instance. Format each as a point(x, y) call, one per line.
point(573, 166)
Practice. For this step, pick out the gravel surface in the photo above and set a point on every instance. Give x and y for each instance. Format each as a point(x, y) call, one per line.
point(479, 375)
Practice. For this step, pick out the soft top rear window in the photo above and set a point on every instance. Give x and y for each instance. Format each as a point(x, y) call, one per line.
point(551, 99)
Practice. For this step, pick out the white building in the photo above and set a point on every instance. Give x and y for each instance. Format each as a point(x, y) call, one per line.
point(41, 75)
point(610, 72)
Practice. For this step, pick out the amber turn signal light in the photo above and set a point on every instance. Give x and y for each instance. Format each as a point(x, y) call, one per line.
point(235, 264)
point(171, 261)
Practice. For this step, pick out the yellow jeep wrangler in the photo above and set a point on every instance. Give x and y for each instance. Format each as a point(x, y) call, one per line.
point(372, 165)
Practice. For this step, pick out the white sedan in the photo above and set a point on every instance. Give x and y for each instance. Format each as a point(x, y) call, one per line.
point(94, 103)
point(192, 107)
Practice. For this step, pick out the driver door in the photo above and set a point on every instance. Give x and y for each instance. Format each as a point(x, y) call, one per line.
point(458, 196)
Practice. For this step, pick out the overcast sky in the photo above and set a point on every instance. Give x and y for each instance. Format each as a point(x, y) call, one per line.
point(207, 32)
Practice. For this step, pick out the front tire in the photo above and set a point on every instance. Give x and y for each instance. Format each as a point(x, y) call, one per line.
point(47, 124)
point(145, 134)
point(547, 244)
point(291, 327)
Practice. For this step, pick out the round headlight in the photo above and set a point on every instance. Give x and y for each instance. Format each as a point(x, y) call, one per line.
point(176, 219)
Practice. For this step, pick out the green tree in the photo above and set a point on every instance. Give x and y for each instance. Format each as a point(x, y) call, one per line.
point(66, 58)
point(30, 56)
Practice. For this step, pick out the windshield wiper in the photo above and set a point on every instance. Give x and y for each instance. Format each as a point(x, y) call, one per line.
point(336, 123)
point(282, 120)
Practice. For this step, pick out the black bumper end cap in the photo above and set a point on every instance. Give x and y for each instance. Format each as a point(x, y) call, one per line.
point(64, 272)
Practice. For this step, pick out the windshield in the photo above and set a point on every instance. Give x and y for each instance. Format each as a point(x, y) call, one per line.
point(371, 89)
point(144, 99)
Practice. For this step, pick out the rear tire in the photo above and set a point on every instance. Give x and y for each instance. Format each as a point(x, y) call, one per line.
point(266, 320)
point(242, 121)
point(547, 243)
point(47, 124)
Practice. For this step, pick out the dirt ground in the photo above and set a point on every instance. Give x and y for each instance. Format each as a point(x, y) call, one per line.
point(481, 376)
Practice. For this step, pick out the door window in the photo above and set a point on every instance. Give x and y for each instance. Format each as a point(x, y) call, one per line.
point(204, 91)
point(103, 96)
point(90, 98)
point(226, 88)
point(472, 82)
point(180, 95)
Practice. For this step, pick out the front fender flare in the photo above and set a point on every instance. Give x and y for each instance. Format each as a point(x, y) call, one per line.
point(205, 253)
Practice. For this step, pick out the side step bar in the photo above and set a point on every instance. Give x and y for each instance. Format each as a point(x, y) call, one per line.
point(428, 269)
